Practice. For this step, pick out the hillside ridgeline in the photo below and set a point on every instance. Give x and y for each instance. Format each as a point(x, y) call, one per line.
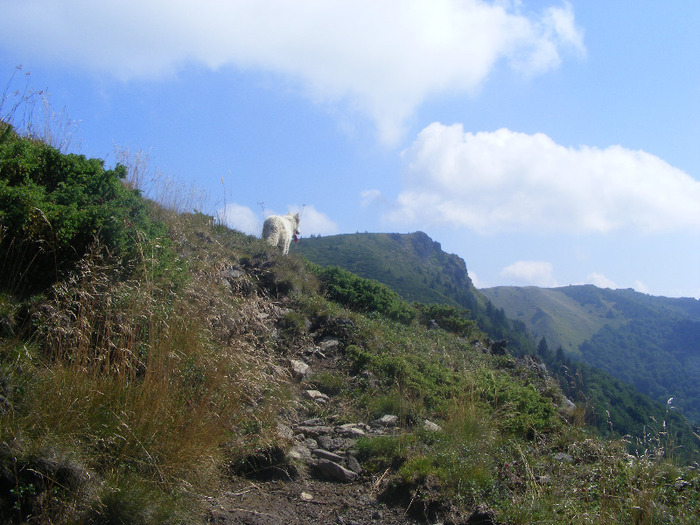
point(416, 267)
point(650, 342)
point(156, 367)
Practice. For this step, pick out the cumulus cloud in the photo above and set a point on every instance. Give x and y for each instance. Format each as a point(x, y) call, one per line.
point(640, 287)
point(381, 58)
point(314, 222)
point(475, 280)
point(532, 273)
point(369, 197)
point(601, 281)
point(500, 181)
point(240, 218)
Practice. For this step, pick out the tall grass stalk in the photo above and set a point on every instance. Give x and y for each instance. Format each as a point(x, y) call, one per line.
point(31, 113)
point(136, 384)
point(133, 375)
point(171, 194)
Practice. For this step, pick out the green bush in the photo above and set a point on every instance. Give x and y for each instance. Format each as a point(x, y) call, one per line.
point(364, 295)
point(448, 318)
point(521, 409)
point(54, 206)
point(380, 452)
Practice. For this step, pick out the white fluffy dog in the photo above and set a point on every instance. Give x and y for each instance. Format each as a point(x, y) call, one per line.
point(279, 230)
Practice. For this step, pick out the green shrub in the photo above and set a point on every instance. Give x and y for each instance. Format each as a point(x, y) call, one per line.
point(54, 206)
point(364, 295)
point(448, 318)
point(521, 409)
point(380, 452)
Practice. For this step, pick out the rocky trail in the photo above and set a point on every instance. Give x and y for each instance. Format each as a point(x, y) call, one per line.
point(324, 482)
point(318, 479)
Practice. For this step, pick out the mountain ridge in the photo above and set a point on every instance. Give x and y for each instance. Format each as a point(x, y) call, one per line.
point(648, 341)
point(596, 327)
point(416, 267)
point(380, 254)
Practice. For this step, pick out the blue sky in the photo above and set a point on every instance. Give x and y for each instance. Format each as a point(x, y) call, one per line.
point(545, 142)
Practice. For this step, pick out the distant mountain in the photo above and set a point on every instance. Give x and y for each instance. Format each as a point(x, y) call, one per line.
point(650, 342)
point(416, 267)
point(412, 264)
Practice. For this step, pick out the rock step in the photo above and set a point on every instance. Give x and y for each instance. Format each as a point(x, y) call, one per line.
point(334, 471)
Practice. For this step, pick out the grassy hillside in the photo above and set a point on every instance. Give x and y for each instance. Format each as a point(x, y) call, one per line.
point(649, 342)
point(158, 364)
point(550, 313)
point(412, 264)
point(416, 268)
point(612, 406)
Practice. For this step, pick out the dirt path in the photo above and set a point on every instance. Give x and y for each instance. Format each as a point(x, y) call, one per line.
point(326, 485)
point(340, 493)
point(319, 480)
point(304, 501)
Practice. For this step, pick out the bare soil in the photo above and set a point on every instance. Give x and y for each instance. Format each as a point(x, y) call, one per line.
point(305, 501)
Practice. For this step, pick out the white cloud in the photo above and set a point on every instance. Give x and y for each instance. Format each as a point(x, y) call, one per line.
point(507, 181)
point(240, 218)
point(640, 287)
point(601, 281)
point(369, 197)
point(381, 58)
point(531, 273)
point(475, 280)
point(314, 222)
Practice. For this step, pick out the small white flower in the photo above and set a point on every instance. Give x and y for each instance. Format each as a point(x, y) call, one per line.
point(670, 400)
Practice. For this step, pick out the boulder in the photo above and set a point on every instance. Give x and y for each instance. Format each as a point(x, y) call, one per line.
point(325, 454)
point(314, 431)
point(317, 396)
point(429, 426)
point(300, 370)
point(350, 430)
point(387, 420)
point(332, 470)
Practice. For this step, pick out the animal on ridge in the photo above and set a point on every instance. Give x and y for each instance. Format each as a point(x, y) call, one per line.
point(279, 230)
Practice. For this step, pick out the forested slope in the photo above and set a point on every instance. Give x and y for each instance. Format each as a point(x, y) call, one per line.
point(649, 342)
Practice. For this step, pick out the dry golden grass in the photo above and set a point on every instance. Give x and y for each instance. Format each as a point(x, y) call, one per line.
point(140, 378)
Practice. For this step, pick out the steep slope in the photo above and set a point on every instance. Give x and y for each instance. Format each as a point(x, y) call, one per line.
point(414, 266)
point(418, 269)
point(411, 264)
point(176, 371)
point(649, 342)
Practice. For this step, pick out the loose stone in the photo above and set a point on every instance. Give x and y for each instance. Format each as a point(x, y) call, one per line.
point(334, 471)
point(325, 454)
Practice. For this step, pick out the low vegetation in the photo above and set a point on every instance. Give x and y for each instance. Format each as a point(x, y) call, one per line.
point(618, 396)
point(143, 355)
